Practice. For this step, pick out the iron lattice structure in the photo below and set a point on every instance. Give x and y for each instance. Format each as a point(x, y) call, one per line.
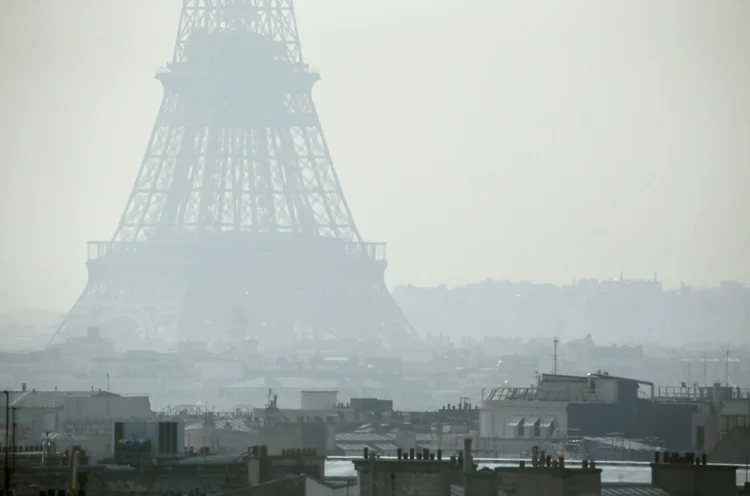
point(237, 221)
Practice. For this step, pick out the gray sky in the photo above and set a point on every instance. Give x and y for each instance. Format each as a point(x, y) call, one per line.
point(539, 140)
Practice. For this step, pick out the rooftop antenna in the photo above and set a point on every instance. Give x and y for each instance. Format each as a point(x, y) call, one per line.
point(556, 341)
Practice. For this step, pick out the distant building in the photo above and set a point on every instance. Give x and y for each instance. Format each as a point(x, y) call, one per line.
point(562, 408)
point(222, 435)
point(73, 417)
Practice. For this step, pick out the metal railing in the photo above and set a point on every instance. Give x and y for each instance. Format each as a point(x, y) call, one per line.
point(176, 251)
point(702, 393)
point(189, 69)
point(372, 251)
point(542, 394)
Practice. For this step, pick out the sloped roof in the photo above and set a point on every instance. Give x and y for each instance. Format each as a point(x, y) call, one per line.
point(633, 490)
point(369, 437)
point(48, 399)
point(230, 424)
point(375, 437)
point(624, 443)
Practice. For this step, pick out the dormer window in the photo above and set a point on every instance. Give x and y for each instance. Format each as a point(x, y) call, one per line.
point(517, 425)
point(533, 424)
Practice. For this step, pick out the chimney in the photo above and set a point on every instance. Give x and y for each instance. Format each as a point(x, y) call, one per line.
point(468, 468)
point(468, 460)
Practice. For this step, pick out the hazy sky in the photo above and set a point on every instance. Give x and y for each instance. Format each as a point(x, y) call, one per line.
point(539, 140)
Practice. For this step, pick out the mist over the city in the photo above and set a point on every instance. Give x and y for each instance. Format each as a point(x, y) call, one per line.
point(235, 228)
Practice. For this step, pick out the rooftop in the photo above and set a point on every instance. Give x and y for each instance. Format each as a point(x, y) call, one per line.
point(633, 474)
point(48, 399)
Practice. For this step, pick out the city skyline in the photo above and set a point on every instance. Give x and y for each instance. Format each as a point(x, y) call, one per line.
point(622, 164)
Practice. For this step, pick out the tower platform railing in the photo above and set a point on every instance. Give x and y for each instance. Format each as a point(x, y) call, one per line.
point(99, 250)
point(172, 68)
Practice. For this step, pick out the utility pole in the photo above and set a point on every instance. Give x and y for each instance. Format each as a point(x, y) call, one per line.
point(373, 481)
point(13, 440)
point(6, 471)
point(705, 368)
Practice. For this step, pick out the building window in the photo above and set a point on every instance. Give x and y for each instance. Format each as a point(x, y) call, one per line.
point(533, 425)
point(520, 429)
point(548, 426)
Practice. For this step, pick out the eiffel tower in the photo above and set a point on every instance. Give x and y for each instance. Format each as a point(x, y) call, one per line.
point(237, 226)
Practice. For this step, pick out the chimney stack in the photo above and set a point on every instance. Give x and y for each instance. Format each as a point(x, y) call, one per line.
point(468, 462)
